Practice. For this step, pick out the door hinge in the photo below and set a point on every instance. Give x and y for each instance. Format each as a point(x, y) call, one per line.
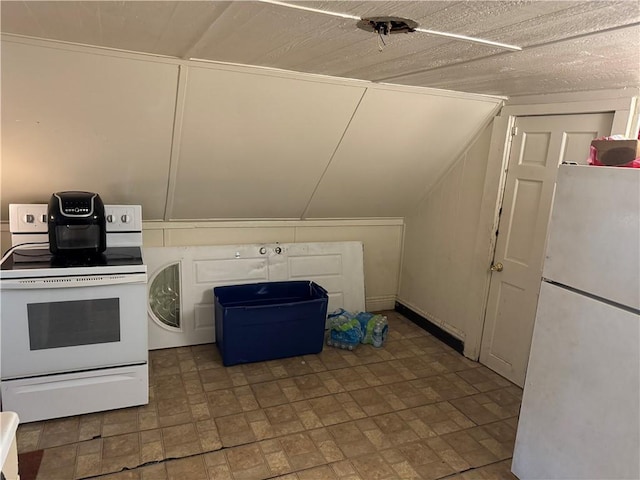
point(514, 131)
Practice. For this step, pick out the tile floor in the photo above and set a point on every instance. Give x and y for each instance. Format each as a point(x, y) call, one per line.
point(414, 409)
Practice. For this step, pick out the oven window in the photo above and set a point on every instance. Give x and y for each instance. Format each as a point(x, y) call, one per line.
point(71, 323)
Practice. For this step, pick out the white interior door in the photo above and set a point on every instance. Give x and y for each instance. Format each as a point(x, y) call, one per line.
point(181, 281)
point(539, 146)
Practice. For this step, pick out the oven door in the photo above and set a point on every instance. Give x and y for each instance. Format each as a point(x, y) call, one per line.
point(68, 324)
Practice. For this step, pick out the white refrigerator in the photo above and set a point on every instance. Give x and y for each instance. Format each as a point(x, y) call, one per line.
point(580, 414)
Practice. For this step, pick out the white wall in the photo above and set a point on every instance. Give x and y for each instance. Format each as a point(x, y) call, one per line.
point(130, 127)
point(261, 152)
point(440, 279)
point(73, 119)
point(450, 237)
point(193, 140)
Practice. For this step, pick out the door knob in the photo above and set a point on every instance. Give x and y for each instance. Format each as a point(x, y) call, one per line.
point(497, 267)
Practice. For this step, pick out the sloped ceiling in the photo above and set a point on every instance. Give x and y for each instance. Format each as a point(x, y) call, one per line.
point(567, 45)
point(80, 121)
point(194, 128)
point(256, 145)
point(188, 140)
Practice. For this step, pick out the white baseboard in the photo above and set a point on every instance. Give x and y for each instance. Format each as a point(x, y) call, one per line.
point(383, 302)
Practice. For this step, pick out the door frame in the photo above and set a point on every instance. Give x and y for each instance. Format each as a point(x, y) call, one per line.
point(625, 105)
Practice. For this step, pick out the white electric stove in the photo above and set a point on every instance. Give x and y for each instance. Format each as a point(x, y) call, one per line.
point(73, 330)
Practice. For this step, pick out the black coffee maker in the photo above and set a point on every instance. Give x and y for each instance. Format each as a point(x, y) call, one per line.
point(77, 224)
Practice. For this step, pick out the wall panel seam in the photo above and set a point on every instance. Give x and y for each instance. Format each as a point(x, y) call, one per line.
point(176, 138)
point(335, 150)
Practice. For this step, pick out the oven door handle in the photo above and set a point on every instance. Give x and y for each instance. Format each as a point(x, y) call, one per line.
point(73, 282)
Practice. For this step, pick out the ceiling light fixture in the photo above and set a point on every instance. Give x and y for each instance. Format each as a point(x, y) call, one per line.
point(387, 25)
point(380, 27)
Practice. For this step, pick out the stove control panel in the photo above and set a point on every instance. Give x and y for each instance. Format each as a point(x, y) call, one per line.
point(123, 218)
point(32, 218)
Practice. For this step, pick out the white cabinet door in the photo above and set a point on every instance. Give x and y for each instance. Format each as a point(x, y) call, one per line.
point(181, 281)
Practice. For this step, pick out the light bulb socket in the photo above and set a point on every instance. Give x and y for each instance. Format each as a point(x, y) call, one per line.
point(387, 25)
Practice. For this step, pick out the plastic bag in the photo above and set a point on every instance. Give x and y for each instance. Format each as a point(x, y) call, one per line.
point(374, 328)
point(345, 330)
point(348, 330)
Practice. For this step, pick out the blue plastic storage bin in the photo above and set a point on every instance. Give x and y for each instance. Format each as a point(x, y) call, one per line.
point(264, 321)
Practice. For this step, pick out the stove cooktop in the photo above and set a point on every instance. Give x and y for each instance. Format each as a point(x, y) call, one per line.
point(40, 262)
point(43, 258)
